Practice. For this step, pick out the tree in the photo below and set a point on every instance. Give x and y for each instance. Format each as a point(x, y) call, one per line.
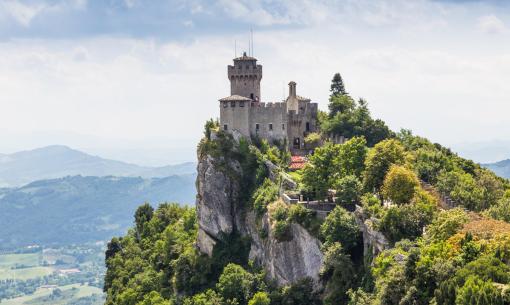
point(337, 85)
point(341, 105)
point(209, 297)
point(318, 174)
point(338, 272)
point(260, 298)
point(379, 160)
point(340, 226)
point(348, 189)
point(142, 216)
point(154, 298)
point(235, 283)
point(351, 157)
point(400, 184)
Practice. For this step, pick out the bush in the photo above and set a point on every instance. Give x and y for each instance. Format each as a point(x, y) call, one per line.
point(348, 189)
point(399, 184)
point(305, 217)
point(340, 226)
point(264, 195)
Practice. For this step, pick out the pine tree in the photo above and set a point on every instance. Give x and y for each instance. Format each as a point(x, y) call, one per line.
point(337, 85)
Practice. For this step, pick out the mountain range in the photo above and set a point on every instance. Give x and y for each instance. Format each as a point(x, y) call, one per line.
point(77, 209)
point(58, 161)
point(501, 168)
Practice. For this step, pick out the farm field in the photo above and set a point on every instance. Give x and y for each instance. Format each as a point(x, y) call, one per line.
point(24, 274)
point(68, 294)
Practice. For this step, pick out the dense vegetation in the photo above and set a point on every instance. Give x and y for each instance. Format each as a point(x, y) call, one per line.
point(443, 217)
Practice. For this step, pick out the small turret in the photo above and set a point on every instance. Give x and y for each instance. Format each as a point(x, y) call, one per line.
point(292, 99)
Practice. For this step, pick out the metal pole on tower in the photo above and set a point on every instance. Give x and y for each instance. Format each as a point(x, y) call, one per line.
point(235, 48)
point(251, 36)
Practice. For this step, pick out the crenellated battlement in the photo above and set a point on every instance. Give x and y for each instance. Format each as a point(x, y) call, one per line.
point(270, 105)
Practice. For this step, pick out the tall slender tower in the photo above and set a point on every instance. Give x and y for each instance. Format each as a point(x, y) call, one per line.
point(245, 76)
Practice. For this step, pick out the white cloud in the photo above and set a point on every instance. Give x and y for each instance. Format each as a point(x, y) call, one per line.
point(491, 24)
point(22, 13)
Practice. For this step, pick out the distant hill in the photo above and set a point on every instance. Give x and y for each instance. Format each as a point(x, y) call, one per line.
point(59, 161)
point(80, 209)
point(501, 168)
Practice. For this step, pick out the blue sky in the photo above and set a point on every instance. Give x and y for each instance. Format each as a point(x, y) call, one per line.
point(135, 80)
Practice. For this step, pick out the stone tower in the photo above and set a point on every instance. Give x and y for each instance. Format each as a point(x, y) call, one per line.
point(245, 76)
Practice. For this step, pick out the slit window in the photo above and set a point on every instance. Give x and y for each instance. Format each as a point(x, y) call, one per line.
point(257, 127)
point(283, 126)
point(270, 126)
point(241, 104)
point(225, 104)
point(307, 126)
point(225, 127)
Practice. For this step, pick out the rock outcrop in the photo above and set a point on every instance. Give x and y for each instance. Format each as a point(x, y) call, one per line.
point(218, 213)
point(374, 242)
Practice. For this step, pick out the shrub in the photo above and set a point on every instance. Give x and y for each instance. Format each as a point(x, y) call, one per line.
point(265, 194)
point(340, 226)
point(399, 184)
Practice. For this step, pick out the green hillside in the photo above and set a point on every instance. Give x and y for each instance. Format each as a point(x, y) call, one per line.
point(82, 209)
point(444, 220)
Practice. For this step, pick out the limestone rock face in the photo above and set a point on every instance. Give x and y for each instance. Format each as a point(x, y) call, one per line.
point(285, 262)
point(373, 241)
point(215, 209)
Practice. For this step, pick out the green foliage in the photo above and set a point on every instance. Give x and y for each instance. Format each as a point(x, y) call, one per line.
point(332, 162)
point(338, 272)
point(348, 189)
point(351, 119)
point(337, 85)
point(260, 298)
point(236, 284)
point(301, 293)
point(400, 184)
point(501, 210)
point(408, 221)
point(317, 176)
point(305, 217)
point(210, 126)
point(447, 223)
point(340, 226)
point(264, 195)
point(313, 140)
point(154, 298)
point(142, 216)
point(208, 297)
point(379, 160)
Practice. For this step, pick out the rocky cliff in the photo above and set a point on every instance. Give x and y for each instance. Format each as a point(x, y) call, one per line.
point(219, 212)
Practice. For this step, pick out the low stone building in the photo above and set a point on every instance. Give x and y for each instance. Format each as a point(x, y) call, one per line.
point(286, 122)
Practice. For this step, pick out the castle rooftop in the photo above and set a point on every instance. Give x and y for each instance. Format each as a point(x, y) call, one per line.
point(234, 98)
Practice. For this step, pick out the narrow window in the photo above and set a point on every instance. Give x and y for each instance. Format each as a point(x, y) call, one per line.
point(283, 126)
point(241, 104)
point(270, 126)
point(257, 126)
point(251, 96)
point(225, 104)
point(307, 126)
point(232, 104)
point(225, 127)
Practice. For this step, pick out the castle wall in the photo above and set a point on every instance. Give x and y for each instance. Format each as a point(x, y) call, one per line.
point(235, 116)
point(265, 114)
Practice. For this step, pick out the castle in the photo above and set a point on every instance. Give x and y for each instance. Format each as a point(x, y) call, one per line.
point(287, 122)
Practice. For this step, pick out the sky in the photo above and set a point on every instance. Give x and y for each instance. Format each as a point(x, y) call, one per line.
point(135, 80)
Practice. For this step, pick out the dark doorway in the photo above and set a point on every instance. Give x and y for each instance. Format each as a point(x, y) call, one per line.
point(297, 143)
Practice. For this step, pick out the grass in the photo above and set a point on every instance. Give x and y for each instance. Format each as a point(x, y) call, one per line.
point(42, 296)
point(11, 260)
point(24, 273)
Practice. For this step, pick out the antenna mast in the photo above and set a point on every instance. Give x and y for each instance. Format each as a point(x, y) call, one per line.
point(235, 48)
point(251, 38)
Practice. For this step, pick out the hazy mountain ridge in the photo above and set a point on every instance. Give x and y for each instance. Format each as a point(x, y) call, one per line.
point(58, 161)
point(501, 168)
point(77, 209)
